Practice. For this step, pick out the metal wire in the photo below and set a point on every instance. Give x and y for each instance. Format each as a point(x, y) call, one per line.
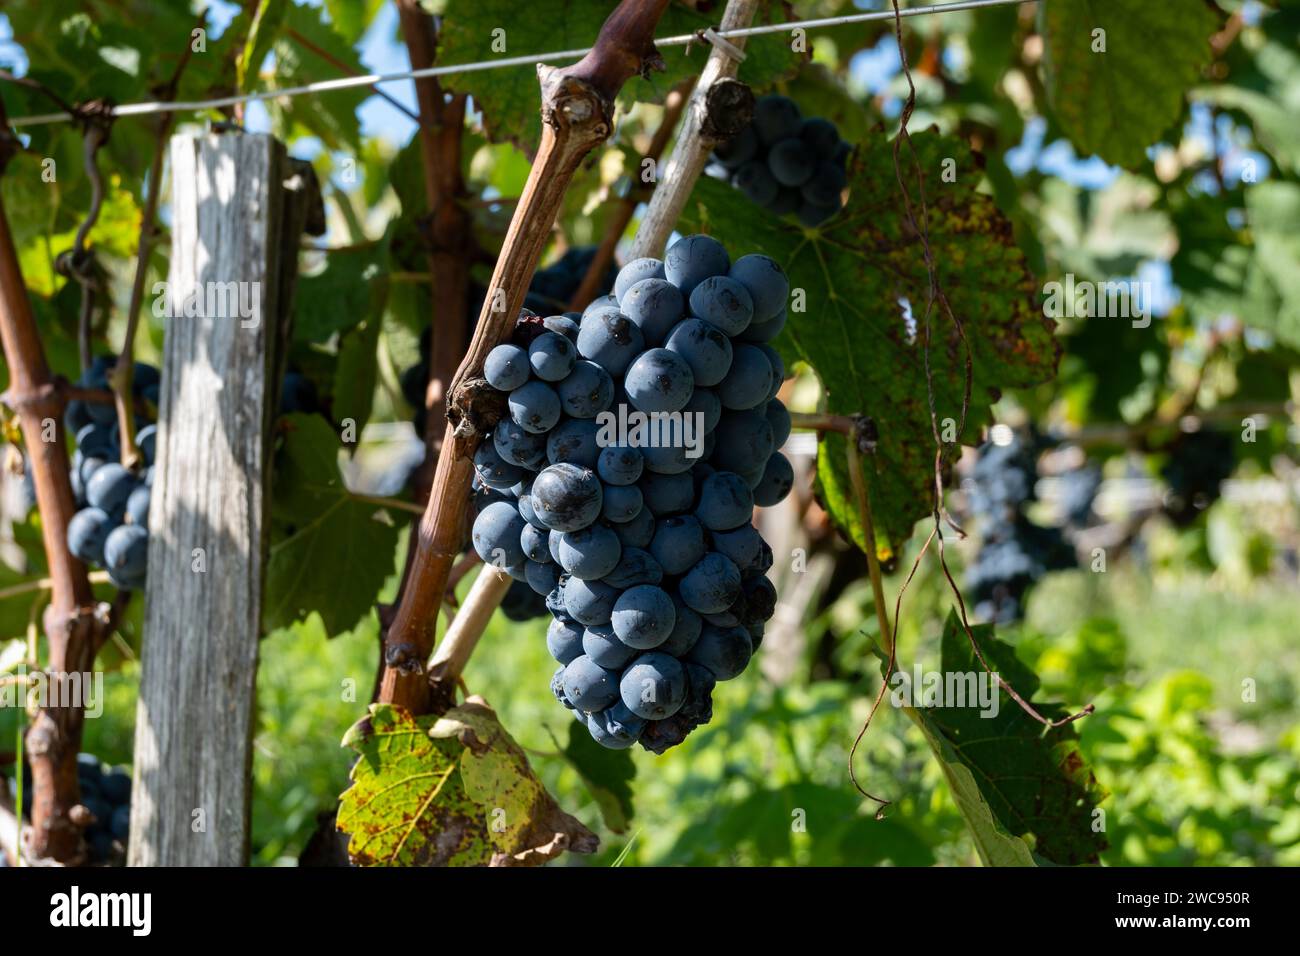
point(371, 79)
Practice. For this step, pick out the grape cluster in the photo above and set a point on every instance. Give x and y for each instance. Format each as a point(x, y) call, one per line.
point(654, 575)
point(107, 795)
point(786, 163)
point(111, 527)
point(1197, 466)
point(1015, 552)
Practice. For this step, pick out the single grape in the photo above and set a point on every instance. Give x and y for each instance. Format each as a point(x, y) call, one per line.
point(764, 331)
point(566, 497)
point(621, 502)
point(659, 381)
point(87, 532)
point(588, 685)
point(749, 382)
point(744, 442)
point(126, 550)
point(777, 480)
point(704, 346)
point(542, 577)
point(724, 651)
point(692, 259)
point(602, 645)
point(685, 632)
point(636, 270)
point(725, 502)
point(653, 686)
point(535, 544)
point(706, 406)
point(493, 470)
point(776, 118)
point(743, 545)
point(506, 367)
point(610, 339)
point(791, 162)
point(590, 553)
point(760, 600)
point(618, 465)
point(574, 441)
point(765, 280)
point(534, 407)
point(671, 459)
point(137, 506)
point(496, 535)
point(678, 543)
point(609, 301)
point(589, 602)
point(820, 135)
point(711, 584)
point(564, 641)
point(668, 495)
point(146, 439)
point(518, 446)
point(643, 616)
point(724, 302)
point(637, 532)
point(635, 566)
point(566, 325)
point(109, 487)
point(615, 727)
point(655, 306)
point(552, 356)
point(778, 416)
point(587, 391)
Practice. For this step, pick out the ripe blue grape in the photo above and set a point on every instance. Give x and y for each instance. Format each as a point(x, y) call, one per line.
point(778, 479)
point(589, 686)
point(506, 367)
point(744, 442)
point(615, 727)
point(724, 302)
point(573, 441)
point(635, 566)
point(535, 407)
point(542, 577)
point(791, 162)
point(602, 645)
point(551, 356)
point(621, 502)
point(637, 532)
point(705, 404)
point(653, 686)
point(766, 283)
point(590, 553)
point(566, 497)
point(493, 470)
point(125, 551)
point(685, 632)
point(724, 651)
point(618, 465)
point(743, 545)
point(659, 381)
point(564, 641)
point(496, 535)
point(589, 602)
point(87, 531)
point(518, 446)
point(821, 136)
point(749, 382)
point(779, 418)
point(711, 585)
point(704, 346)
point(692, 259)
point(109, 487)
point(776, 118)
point(636, 270)
point(678, 543)
point(566, 325)
point(725, 502)
point(764, 331)
point(655, 306)
point(668, 495)
point(535, 544)
point(607, 301)
point(587, 391)
point(643, 616)
point(137, 506)
point(610, 339)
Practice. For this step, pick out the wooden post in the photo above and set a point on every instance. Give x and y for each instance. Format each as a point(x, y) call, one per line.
point(237, 214)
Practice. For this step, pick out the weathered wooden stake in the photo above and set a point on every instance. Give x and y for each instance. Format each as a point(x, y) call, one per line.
point(237, 215)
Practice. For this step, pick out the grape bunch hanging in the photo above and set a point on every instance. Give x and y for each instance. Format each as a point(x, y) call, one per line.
point(111, 527)
point(785, 163)
point(652, 569)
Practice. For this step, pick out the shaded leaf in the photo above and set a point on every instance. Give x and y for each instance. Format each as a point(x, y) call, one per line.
point(1117, 103)
point(1018, 786)
point(331, 553)
point(854, 271)
point(607, 774)
point(349, 289)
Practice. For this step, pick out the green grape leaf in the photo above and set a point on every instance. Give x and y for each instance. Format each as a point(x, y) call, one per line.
point(852, 273)
point(1018, 787)
point(454, 790)
point(608, 775)
point(347, 291)
point(526, 825)
point(1274, 209)
point(509, 97)
point(1116, 103)
point(330, 553)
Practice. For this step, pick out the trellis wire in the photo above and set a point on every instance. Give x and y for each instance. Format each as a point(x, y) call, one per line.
point(371, 79)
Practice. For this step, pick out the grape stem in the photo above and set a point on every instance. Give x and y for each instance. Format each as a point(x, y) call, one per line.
point(577, 115)
point(463, 635)
point(719, 106)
